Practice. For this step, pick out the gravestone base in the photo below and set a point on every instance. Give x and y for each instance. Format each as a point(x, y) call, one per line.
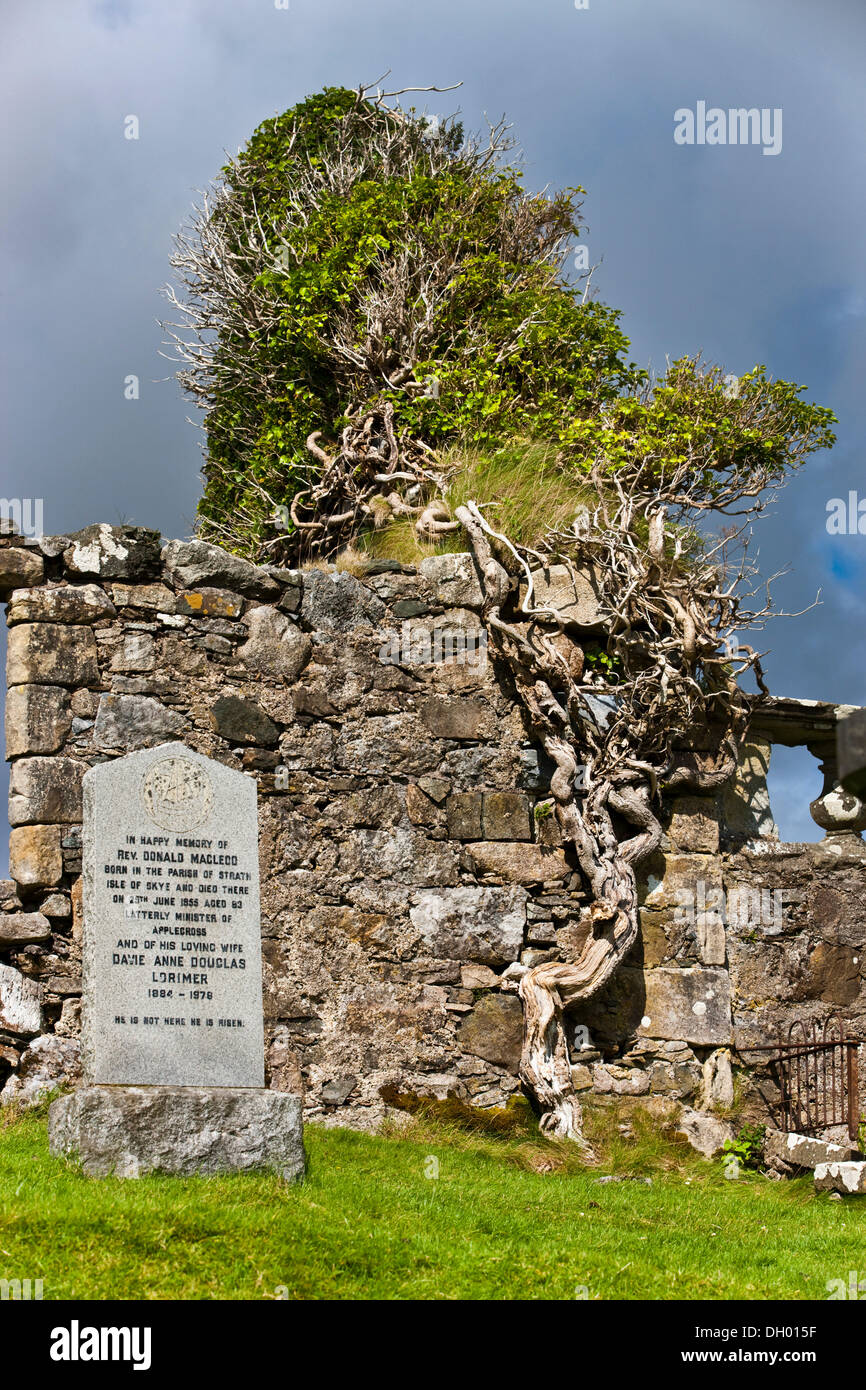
point(127, 1131)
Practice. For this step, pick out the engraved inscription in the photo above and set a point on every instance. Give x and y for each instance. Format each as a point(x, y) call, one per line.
point(177, 794)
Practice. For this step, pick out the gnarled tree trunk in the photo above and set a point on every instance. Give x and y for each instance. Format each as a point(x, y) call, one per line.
point(623, 786)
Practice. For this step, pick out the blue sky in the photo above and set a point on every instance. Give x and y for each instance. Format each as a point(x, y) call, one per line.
point(746, 257)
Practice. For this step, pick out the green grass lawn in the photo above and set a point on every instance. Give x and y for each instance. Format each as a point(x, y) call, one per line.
point(368, 1222)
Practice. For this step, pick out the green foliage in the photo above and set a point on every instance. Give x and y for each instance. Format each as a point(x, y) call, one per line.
point(332, 263)
point(426, 261)
point(598, 660)
point(692, 426)
point(748, 1147)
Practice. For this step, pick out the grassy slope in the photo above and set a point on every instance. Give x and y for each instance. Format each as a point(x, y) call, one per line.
point(368, 1223)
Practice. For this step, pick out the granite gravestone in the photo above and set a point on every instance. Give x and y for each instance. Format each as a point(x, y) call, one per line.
point(172, 936)
point(172, 1027)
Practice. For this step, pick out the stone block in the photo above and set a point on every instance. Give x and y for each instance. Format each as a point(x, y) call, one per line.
point(51, 654)
point(680, 880)
point(804, 1150)
point(717, 1080)
point(658, 938)
point(692, 1006)
point(847, 1178)
point(463, 811)
point(676, 1005)
point(67, 603)
point(704, 1132)
point(710, 929)
point(506, 816)
point(451, 646)
point(114, 552)
point(127, 1131)
point(9, 899)
point(768, 971)
point(209, 603)
point(130, 722)
point(478, 977)
point(620, 1081)
point(153, 597)
point(243, 721)
point(136, 652)
point(338, 1090)
point(45, 790)
point(410, 608)
point(575, 597)
point(434, 787)
point(48, 1062)
point(834, 973)
point(314, 702)
point(57, 905)
point(338, 602)
point(35, 856)
point(84, 704)
point(198, 564)
point(275, 646)
point(283, 1064)
point(494, 1031)
point(547, 828)
point(420, 808)
point(406, 856)
point(517, 862)
point(541, 933)
point(19, 569)
point(446, 717)
point(694, 825)
point(181, 658)
point(23, 929)
point(481, 925)
point(533, 956)
point(291, 599)
point(678, 1080)
point(38, 719)
point(20, 1003)
point(453, 579)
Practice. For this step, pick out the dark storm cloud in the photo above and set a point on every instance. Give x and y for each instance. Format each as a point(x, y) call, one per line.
point(746, 257)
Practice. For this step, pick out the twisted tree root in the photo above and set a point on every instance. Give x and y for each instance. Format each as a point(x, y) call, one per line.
point(622, 783)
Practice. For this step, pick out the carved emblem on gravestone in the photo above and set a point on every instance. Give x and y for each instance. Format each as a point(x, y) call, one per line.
point(177, 794)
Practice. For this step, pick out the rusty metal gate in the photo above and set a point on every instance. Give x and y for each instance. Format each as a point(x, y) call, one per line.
point(815, 1068)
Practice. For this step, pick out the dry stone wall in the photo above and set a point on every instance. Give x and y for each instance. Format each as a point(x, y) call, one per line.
point(410, 868)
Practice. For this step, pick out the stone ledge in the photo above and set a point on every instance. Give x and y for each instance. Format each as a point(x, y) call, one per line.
point(847, 1178)
point(128, 1131)
point(806, 1151)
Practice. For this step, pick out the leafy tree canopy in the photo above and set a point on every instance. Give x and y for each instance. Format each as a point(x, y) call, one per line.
point(355, 257)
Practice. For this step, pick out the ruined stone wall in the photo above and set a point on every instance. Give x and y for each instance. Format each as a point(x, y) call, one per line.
point(410, 867)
